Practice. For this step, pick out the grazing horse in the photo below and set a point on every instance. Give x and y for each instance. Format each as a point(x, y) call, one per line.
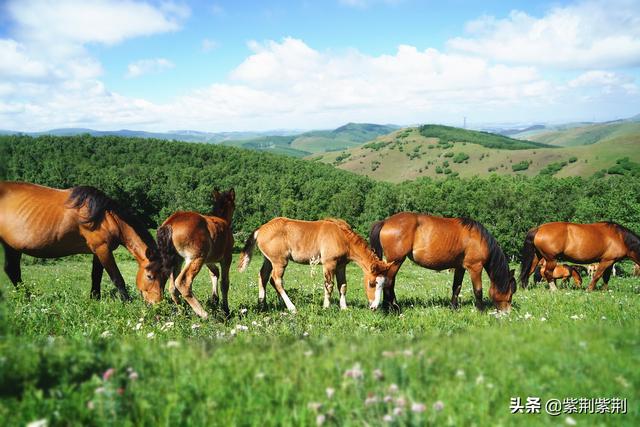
point(601, 242)
point(48, 223)
point(439, 243)
point(331, 242)
point(199, 240)
point(562, 271)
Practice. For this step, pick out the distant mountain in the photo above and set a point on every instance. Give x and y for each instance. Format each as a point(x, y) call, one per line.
point(289, 142)
point(178, 135)
point(591, 133)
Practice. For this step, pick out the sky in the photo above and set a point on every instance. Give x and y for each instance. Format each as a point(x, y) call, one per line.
point(265, 65)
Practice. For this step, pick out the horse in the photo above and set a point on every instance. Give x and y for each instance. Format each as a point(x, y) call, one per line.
point(439, 243)
point(603, 242)
point(45, 222)
point(329, 241)
point(199, 240)
point(562, 271)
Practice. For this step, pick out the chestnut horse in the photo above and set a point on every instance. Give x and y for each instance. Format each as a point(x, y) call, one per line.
point(49, 223)
point(199, 240)
point(330, 242)
point(440, 243)
point(562, 271)
point(601, 242)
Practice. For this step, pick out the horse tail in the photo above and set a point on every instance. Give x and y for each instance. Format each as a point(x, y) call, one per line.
point(168, 253)
point(526, 256)
point(374, 238)
point(247, 251)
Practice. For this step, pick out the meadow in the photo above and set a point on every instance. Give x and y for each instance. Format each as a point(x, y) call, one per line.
point(73, 361)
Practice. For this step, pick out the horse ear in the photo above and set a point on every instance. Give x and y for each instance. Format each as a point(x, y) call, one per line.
point(215, 193)
point(232, 194)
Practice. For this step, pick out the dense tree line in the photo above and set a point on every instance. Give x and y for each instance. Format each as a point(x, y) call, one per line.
point(155, 178)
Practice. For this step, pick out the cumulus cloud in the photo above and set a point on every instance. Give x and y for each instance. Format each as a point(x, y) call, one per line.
point(588, 34)
point(147, 66)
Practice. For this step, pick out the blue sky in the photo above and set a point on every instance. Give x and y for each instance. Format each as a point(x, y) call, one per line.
point(245, 65)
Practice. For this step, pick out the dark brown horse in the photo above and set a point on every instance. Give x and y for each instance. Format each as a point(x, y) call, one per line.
point(440, 243)
point(49, 223)
point(199, 240)
point(603, 242)
point(330, 242)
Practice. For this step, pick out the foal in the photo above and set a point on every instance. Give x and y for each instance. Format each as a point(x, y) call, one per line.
point(199, 240)
point(329, 241)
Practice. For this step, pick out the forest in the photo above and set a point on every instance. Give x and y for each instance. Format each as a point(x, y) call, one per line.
point(156, 177)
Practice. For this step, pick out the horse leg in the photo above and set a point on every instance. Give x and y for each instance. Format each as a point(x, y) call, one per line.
point(96, 277)
point(224, 285)
point(278, 283)
point(602, 267)
point(12, 264)
point(184, 281)
point(475, 272)
point(458, 275)
point(389, 292)
point(606, 276)
point(328, 268)
point(263, 278)
point(341, 279)
point(214, 273)
point(577, 279)
point(550, 266)
point(105, 256)
point(173, 291)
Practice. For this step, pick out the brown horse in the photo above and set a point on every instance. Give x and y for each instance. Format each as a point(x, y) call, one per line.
point(49, 223)
point(562, 271)
point(199, 240)
point(601, 242)
point(440, 243)
point(330, 242)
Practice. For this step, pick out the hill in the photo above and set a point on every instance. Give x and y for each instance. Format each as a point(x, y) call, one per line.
point(436, 151)
point(317, 141)
point(588, 134)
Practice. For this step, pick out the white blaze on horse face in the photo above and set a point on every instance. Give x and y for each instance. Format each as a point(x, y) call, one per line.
point(378, 295)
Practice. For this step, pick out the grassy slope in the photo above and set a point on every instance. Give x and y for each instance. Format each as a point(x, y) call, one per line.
point(397, 166)
point(585, 135)
point(553, 345)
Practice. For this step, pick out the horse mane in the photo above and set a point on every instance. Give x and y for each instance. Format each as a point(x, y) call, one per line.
point(631, 239)
point(98, 204)
point(352, 236)
point(497, 266)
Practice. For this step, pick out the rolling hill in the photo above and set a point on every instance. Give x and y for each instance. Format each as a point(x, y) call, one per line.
point(440, 151)
point(317, 141)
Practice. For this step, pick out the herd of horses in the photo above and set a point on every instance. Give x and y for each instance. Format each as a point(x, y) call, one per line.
point(49, 223)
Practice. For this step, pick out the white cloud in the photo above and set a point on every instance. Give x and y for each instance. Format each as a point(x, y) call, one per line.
point(85, 21)
point(588, 34)
point(15, 62)
point(147, 66)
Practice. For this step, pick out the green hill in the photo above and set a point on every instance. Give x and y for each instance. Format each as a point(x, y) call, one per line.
point(589, 134)
point(318, 141)
point(440, 152)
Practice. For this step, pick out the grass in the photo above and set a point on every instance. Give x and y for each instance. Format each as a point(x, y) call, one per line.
point(448, 134)
point(56, 345)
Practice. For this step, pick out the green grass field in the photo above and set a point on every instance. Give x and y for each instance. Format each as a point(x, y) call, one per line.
point(428, 365)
